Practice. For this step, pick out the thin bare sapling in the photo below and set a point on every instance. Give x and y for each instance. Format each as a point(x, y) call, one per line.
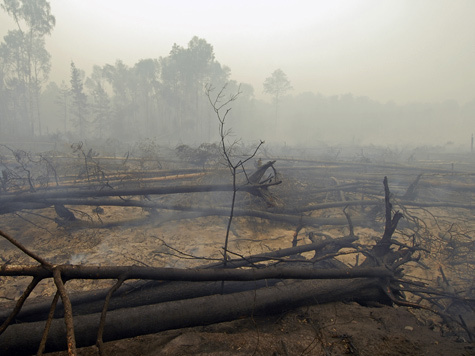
point(220, 104)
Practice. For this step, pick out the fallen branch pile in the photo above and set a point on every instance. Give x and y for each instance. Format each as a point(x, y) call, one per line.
point(186, 297)
point(166, 298)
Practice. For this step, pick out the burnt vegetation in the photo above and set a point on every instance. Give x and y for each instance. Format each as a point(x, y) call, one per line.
point(129, 207)
point(375, 232)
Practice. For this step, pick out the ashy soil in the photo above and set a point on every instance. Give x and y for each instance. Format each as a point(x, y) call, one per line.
point(134, 236)
point(330, 329)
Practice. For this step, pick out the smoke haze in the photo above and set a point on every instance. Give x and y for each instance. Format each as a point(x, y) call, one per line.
point(404, 50)
point(382, 57)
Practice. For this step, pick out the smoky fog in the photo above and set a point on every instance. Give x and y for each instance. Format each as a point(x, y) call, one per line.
point(411, 84)
point(294, 170)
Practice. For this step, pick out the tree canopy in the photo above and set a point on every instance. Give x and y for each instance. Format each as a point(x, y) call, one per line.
point(277, 85)
point(25, 63)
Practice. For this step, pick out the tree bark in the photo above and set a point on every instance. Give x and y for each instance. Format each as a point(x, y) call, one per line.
point(24, 338)
point(177, 274)
point(181, 189)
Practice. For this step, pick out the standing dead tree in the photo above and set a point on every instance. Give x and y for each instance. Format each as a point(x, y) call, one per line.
point(219, 104)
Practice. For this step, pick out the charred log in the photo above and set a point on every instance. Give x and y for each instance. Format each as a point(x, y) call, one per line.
point(24, 339)
point(156, 291)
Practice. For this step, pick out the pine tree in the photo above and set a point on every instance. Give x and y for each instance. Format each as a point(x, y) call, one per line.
point(79, 102)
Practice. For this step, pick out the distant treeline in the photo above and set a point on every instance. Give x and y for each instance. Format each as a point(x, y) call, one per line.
point(165, 99)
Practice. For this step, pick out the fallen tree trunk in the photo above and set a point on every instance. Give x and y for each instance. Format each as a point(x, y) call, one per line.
point(23, 339)
point(66, 194)
point(198, 311)
point(123, 178)
point(149, 293)
point(157, 292)
point(178, 274)
point(152, 205)
point(192, 212)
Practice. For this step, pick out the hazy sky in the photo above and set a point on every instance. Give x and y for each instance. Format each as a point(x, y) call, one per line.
point(401, 50)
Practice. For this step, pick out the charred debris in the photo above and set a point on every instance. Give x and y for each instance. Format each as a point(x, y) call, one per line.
point(419, 212)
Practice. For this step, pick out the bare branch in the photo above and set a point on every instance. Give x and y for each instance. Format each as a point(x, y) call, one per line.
point(44, 338)
point(102, 323)
point(20, 303)
point(68, 311)
point(26, 251)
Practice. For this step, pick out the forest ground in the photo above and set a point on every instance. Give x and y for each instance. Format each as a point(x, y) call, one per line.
point(330, 329)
